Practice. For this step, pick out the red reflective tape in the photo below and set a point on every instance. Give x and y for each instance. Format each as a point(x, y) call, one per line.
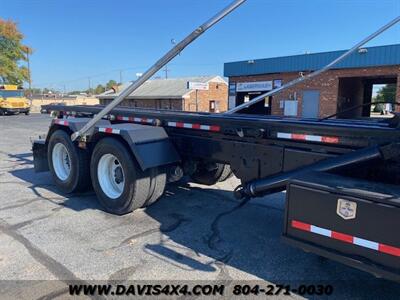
point(143, 120)
point(120, 118)
point(179, 124)
point(196, 126)
point(215, 128)
point(389, 249)
point(330, 139)
point(61, 122)
point(342, 237)
point(301, 225)
point(108, 130)
point(298, 136)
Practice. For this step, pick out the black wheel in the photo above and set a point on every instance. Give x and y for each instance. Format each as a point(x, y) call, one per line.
point(211, 173)
point(27, 113)
point(120, 185)
point(158, 180)
point(68, 164)
point(2, 112)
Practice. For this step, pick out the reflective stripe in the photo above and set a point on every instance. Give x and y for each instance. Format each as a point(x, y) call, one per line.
point(284, 135)
point(314, 138)
point(321, 231)
point(61, 122)
point(395, 251)
point(308, 137)
point(109, 130)
point(135, 119)
point(366, 243)
point(214, 128)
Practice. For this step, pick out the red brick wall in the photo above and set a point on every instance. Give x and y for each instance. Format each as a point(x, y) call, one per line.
point(216, 91)
point(327, 83)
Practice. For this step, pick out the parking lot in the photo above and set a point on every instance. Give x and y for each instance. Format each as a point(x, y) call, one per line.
point(193, 233)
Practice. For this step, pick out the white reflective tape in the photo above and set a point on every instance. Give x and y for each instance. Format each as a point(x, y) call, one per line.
point(284, 135)
point(314, 138)
point(109, 130)
point(61, 122)
point(204, 127)
point(187, 125)
point(366, 243)
point(321, 231)
point(173, 124)
point(149, 120)
point(137, 119)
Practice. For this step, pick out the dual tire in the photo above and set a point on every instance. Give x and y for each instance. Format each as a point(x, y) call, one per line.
point(68, 164)
point(120, 184)
point(211, 173)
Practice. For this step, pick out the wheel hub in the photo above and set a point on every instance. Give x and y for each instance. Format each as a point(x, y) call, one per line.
point(118, 175)
point(61, 161)
point(110, 176)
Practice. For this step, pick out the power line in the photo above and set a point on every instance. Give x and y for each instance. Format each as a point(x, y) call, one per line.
point(120, 71)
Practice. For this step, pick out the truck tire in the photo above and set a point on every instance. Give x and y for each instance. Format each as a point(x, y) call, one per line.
point(226, 173)
point(120, 185)
point(69, 165)
point(211, 174)
point(158, 177)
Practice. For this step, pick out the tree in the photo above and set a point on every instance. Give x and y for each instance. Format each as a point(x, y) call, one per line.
point(110, 84)
point(99, 89)
point(12, 53)
point(387, 93)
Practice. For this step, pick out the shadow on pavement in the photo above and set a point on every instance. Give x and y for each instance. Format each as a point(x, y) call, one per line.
point(42, 183)
point(213, 226)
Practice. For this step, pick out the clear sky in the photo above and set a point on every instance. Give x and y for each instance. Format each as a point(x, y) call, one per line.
point(77, 39)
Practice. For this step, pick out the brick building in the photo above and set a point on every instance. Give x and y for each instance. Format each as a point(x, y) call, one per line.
point(174, 94)
point(347, 85)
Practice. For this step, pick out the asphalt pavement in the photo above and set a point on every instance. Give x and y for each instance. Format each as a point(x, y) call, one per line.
point(193, 233)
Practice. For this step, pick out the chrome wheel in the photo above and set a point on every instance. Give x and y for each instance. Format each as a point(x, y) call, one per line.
point(61, 161)
point(111, 176)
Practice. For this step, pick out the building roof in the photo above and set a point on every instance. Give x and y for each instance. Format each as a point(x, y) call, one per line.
point(171, 88)
point(367, 57)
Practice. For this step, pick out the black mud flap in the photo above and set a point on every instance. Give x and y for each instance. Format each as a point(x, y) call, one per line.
point(150, 145)
point(39, 149)
point(349, 220)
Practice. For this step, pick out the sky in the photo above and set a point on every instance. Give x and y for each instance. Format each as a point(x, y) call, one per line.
point(74, 40)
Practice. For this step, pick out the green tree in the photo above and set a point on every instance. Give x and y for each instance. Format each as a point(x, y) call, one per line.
point(110, 84)
point(99, 89)
point(387, 94)
point(12, 53)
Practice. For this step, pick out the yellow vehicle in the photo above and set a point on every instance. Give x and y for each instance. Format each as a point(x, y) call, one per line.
point(12, 100)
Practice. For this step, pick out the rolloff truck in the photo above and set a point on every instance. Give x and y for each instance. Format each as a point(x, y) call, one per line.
point(341, 176)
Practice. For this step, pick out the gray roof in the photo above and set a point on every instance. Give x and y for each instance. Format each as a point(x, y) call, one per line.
point(370, 57)
point(171, 88)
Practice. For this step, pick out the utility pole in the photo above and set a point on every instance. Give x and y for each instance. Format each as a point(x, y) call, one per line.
point(89, 85)
point(120, 77)
point(29, 74)
point(166, 70)
point(197, 102)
